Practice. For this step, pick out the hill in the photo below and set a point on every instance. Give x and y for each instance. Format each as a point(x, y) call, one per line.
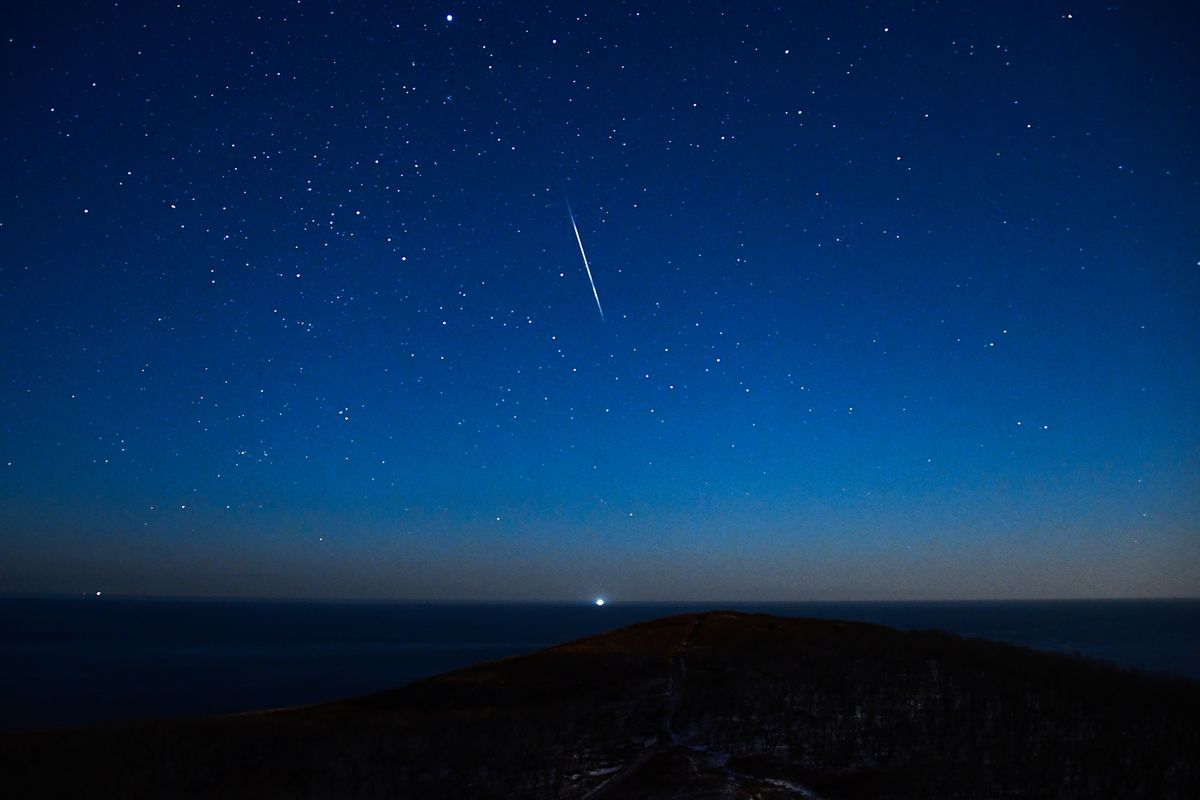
point(715, 705)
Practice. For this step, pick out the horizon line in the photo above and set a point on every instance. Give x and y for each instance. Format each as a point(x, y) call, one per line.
point(585, 601)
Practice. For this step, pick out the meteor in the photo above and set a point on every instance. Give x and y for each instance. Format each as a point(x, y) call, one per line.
point(595, 294)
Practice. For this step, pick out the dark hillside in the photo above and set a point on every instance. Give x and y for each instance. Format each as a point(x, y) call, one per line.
point(711, 705)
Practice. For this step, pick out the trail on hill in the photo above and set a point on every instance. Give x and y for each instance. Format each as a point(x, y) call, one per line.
point(667, 736)
point(689, 760)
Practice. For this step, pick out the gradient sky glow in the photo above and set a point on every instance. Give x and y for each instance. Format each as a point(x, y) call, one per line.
point(899, 303)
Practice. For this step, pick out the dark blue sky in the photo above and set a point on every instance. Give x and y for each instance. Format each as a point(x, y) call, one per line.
point(899, 302)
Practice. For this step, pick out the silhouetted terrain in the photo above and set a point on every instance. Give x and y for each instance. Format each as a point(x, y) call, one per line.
point(717, 705)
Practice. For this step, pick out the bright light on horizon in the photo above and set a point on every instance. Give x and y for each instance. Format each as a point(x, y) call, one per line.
point(599, 601)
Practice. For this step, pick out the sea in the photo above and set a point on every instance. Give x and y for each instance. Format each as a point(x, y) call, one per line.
point(68, 661)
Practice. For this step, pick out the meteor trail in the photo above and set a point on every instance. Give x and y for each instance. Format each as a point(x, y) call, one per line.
point(585, 261)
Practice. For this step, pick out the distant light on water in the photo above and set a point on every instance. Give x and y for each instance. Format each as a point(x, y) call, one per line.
point(599, 601)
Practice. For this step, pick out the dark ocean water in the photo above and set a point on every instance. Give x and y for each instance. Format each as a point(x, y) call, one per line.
point(81, 660)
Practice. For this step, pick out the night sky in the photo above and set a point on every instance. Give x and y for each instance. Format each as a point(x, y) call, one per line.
point(898, 302)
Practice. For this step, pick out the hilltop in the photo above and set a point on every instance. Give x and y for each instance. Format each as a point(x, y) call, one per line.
point(715, 705)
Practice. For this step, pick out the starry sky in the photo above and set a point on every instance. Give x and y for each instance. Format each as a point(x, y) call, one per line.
point(900, 300)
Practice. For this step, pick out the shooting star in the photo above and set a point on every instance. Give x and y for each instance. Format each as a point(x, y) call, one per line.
point(595, 294)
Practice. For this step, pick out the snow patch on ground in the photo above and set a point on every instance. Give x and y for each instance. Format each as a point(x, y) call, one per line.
point(596, 773)
point(803, 791)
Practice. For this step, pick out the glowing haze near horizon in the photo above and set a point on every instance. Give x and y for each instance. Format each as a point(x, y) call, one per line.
point(900, 300)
